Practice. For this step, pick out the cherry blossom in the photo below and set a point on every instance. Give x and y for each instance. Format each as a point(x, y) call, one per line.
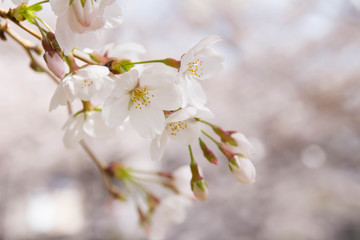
point(143, 98)
point(85, 83)
point(199, 63)
point(78, 17)
point(82, 124)
point(181, 127)
point(181, 181)
point(172, 209)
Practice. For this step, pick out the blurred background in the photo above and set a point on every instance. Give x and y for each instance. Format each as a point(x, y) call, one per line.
point(290, 83)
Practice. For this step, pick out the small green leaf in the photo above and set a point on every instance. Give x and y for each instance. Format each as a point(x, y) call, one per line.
point(34, 8)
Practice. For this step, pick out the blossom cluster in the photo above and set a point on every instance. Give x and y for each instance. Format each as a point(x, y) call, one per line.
point(162, 99)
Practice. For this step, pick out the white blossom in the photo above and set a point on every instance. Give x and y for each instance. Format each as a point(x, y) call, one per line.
point(181, 127)
point(199, 63)
point(128, 50)
point(75, 19)
point(143, 98)
point(243, 169)
point(85, 83)
point(172, 209)
point(91, 124)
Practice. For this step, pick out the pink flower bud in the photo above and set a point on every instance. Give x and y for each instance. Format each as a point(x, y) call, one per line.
point(55, 64)
point(243, 169)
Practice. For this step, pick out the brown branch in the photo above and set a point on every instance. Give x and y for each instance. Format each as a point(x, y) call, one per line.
point(115, 192)
point(28, 48)
point(6, 14)
point(78, 56)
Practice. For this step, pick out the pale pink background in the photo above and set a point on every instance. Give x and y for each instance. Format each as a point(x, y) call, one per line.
point(290, 83)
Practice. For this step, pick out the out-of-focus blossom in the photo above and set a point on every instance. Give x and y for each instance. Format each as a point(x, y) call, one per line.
point(79, 17)
point(172, 209)
point(143, 98)
point(124, 51)
point(243, 169)
point(181, 180)
point(181, 127)
point(84, 84)
point(91, 124)
point(199, 63)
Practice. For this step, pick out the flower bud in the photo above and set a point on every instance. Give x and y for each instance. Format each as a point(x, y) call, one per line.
point(172, 62)
point(243, 169)
point(200, 189)
point(208, 154)
point(55, 63)
point(198, 183)
point(226, 136)
point(243, 146)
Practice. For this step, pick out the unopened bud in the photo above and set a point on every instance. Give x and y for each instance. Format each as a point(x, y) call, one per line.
point(118, 66)
point(224, 135)
point(200, 189)
point(243, 146)
point(172, 63)
point(243, 169)
point(198, 184)
point(208, 154)
point(55, 63)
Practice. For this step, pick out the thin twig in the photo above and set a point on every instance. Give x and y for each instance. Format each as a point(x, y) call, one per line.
point(28, 48)
point(103, 168)
point(5, 14)
point(78, 56)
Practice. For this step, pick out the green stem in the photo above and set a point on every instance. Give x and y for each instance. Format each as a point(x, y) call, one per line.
point(47, 26)
point(191, 156)
point(149, 61)
point(205, 122)
point(211, 138)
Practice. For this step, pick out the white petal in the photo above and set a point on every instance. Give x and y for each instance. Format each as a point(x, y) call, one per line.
point(158, 146)
point(58, 98)
point(182, 115)
point(126, 50)
point(95, 127)
point(125, 83)
point(147, 121)
point(246, 172)
point(158, 76)
point(74, 131)
point(206, 42)
point(115, 110)
point(212, 63)
point(171, 210)
point(243, 147)
point(196, 95)
point(167, 98)
point(182, 177)
point(59, 7)
point(185, 60)
point(113, 15)
point(188, 135)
